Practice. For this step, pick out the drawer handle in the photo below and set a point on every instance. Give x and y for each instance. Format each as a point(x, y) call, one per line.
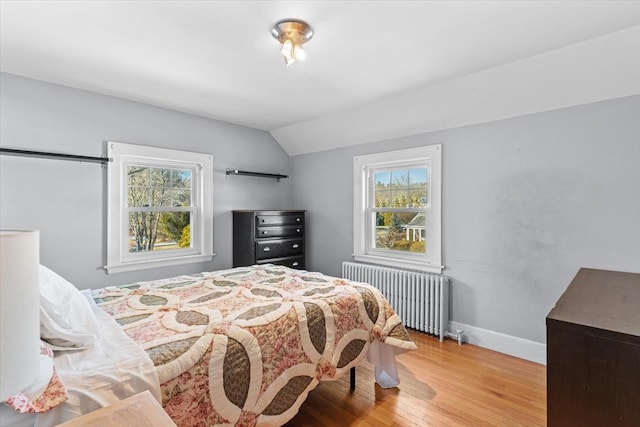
point(297, 230)
point(295, 264)
point(265, 232)
point(298, 219)
point(296, 246)
point(266, 249)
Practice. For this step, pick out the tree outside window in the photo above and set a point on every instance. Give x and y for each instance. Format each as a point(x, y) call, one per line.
point(159, 201)
point(400, 197)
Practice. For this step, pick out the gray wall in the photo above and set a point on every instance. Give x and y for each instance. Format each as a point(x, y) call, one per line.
point(526, 203)
point(66, 200)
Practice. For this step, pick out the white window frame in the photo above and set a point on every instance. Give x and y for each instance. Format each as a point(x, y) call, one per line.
point(363, 247)
point(201, 164)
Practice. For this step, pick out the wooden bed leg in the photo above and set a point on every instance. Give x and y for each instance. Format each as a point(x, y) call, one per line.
point(352, 375)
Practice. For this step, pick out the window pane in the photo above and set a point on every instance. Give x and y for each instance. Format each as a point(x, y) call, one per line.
point(138, 196)
point(383, 180)
point(418, 187)
point(160, 197)
point(181, 178)
point(400, 178)
point(401, 188)
point(181, 197)
point(138, 182)
point(402, 231)
point(382, 196)
point(137, 176)
point(154, 231)
point(418, 197)
point(382, 199)
point(158, 186)
point(160, 177)
point(399, 198)
point(418, 177)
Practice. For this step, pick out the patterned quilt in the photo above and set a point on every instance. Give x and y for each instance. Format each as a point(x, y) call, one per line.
point(244, 347)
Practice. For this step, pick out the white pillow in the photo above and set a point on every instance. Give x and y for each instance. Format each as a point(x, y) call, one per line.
point(67, 321)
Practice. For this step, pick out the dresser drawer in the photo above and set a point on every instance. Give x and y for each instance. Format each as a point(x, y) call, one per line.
point(279, 231)
point(279, 219)
point(278, 248)
point(291, 262)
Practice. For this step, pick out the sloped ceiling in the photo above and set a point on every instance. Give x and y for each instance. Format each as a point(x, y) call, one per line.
point(375, 69)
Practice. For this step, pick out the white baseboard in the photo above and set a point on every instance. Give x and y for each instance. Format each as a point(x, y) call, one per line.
point(503, 343)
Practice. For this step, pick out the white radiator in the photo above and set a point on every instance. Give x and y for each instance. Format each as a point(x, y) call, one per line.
point(421, 300)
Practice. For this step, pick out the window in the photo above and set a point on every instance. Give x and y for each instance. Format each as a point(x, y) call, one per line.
point(160, 205)
point(397, 208)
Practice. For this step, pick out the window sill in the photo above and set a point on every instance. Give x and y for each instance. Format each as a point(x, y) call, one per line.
point(399, 263)
point(155, 263)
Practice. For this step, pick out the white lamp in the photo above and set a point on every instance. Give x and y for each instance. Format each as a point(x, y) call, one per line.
point(19, 311)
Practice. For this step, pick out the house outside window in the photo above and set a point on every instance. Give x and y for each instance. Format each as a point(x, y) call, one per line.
point(397, 208)
point(160, 209)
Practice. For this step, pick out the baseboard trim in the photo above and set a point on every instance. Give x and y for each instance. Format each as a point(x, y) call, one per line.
point(503, 343)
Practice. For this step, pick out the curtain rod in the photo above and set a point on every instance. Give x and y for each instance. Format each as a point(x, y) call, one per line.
point(58, 156)
point(259, 174)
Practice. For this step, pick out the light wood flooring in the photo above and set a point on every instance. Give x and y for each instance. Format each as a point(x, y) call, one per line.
point(441, 384)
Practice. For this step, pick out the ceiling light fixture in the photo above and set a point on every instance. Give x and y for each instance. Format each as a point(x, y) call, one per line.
point(292, 34)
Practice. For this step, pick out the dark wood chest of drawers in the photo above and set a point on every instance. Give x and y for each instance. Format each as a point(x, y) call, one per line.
point(593, 351)
point(269, 237)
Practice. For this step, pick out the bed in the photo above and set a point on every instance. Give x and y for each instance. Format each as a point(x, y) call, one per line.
point(236, 347)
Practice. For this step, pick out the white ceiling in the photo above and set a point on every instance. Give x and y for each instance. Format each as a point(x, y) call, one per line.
point(375, 69)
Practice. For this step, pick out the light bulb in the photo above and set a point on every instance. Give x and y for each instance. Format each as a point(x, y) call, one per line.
point(299, 53)
point(288, 60)
point(287, 48)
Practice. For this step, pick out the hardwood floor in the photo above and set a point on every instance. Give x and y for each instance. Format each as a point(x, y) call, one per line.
point(441, 384)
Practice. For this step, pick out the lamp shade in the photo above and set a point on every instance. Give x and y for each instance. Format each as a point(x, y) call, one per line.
point(19, 311)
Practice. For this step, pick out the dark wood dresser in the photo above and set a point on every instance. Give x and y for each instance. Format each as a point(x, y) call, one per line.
point(593, 351)
point(269, 237)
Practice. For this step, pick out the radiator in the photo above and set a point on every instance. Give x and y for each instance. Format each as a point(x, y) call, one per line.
point(421, 300)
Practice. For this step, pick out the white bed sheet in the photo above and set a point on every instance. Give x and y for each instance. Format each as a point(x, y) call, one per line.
point(383, 356)
point(114, 369)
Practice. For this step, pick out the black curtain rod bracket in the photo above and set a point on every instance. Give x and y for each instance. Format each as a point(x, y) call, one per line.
point(258, 174)
point(59, 156)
